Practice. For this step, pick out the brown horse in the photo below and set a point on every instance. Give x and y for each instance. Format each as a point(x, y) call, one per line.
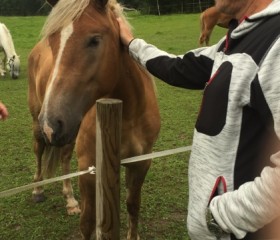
point(208, 20)
point(79, 60)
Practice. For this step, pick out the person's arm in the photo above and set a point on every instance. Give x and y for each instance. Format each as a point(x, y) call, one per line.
point(3, 112)
point(252, 206)
point(191, 70)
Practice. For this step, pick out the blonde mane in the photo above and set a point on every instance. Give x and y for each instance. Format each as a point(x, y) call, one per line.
point(65, 11)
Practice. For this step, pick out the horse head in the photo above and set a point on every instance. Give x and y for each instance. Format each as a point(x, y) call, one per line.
point(13, 66)
point(84, 42)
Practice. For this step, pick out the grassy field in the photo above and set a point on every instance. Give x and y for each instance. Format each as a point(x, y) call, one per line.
point(164, 199)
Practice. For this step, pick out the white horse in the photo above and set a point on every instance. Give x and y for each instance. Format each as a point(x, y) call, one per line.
point(11, 59)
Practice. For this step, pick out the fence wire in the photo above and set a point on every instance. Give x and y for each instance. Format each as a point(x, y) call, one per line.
point(91, 170)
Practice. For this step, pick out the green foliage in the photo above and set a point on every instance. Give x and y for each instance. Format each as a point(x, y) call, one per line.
point(157, 7)
point(165, 192)
point(23, 7)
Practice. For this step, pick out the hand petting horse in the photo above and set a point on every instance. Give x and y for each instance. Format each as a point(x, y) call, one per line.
point(11, 60)
point(208, 20)
point(80, 59)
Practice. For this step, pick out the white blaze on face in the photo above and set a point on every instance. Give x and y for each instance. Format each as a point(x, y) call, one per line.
point(64, 36)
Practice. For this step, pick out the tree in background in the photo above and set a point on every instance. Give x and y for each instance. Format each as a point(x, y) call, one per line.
point(167, 7)
point(157, 7)
point(23, 7)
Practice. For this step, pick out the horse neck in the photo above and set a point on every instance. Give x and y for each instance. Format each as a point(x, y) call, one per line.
point(135, 85)
point(7, 42)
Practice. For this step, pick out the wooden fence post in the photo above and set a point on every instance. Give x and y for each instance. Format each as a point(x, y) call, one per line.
point(108, 142)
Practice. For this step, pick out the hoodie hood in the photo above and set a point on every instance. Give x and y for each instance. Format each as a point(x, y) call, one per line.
point(249, 23)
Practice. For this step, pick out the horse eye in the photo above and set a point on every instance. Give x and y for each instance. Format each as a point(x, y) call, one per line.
point(94, 41)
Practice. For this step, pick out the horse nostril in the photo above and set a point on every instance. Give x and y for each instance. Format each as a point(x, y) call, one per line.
point(58, 130)
point(60, 125)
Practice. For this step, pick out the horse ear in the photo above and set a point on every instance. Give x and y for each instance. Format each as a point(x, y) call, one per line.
point(52, 2)
point(101, 3)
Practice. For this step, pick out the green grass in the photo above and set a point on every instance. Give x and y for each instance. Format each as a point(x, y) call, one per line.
point(164, 198)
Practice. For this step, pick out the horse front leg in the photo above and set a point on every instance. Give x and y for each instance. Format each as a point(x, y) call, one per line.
point(88, 208)
point(135, 176)
point(38, 192)
point(2, 68)
point(86, 153)
point(72, 204)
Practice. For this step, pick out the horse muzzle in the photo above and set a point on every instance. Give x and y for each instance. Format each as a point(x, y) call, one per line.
point(56, 133)
point(14, 76)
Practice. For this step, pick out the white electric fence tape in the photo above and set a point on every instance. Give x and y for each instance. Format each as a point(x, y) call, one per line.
point(13, 191)
point(156, 155)
point(91, 170)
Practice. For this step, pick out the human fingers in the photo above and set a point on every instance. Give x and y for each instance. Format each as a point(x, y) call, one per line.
point(3, 112)
point(125, 32)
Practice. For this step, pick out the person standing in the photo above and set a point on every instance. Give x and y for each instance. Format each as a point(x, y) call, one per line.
point(234, 167)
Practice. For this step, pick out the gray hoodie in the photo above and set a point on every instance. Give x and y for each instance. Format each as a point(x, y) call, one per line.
point(234, 166)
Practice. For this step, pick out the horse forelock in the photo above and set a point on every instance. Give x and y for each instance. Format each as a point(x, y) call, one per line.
point(66, 11)
point(62, 14)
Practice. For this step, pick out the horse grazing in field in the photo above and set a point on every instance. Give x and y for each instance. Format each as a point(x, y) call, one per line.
point(80, 59)
point(208, 20)
point(11, 59)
